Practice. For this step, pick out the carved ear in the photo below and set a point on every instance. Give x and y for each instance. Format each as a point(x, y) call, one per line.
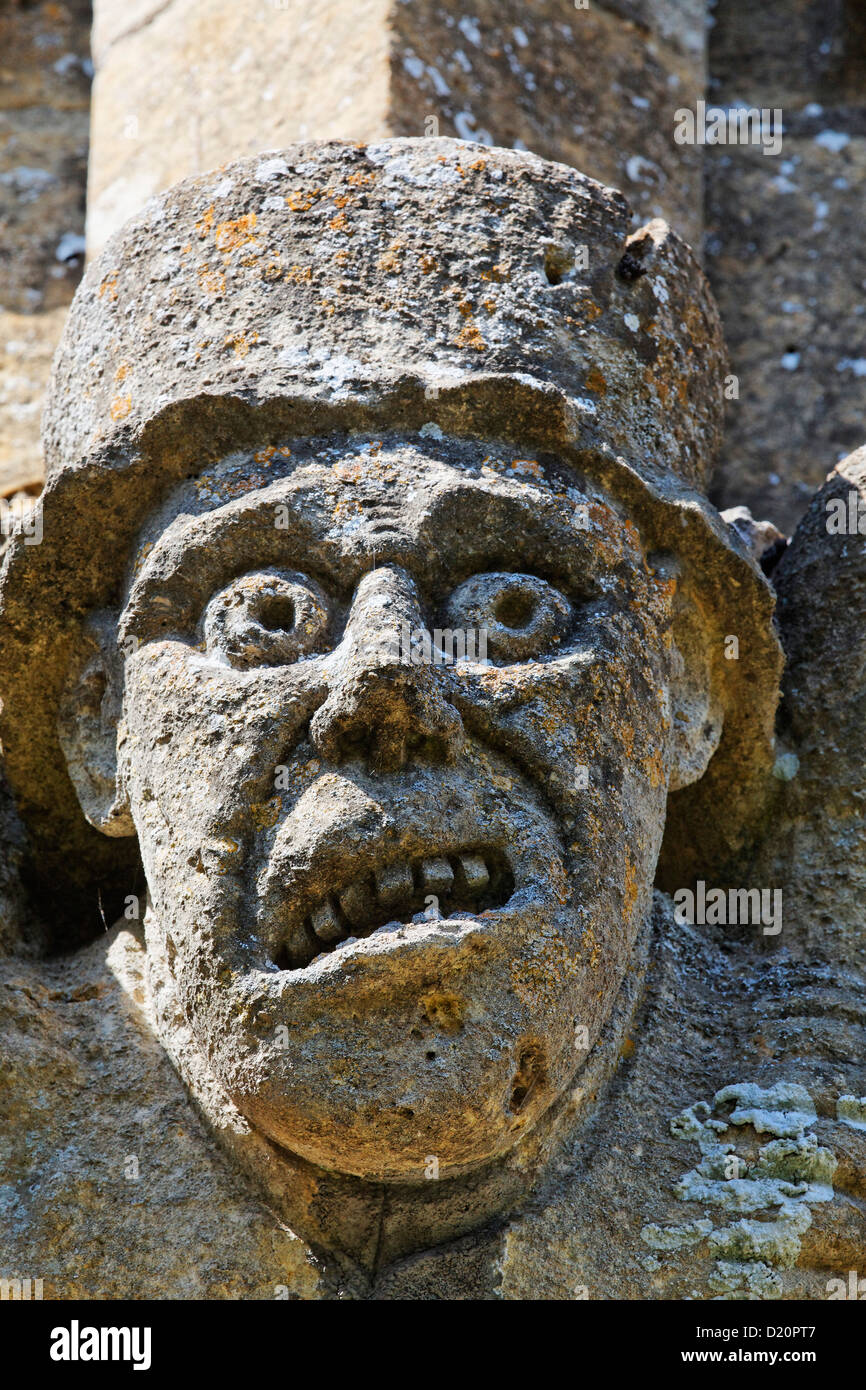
point(87, 726)
point(697, 713)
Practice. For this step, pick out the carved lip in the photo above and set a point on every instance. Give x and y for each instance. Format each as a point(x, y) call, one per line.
point(443, 883)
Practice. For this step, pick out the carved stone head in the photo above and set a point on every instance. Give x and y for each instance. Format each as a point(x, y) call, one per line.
point(389, 621)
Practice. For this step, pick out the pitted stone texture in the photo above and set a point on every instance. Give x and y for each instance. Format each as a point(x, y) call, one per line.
point(594, 87)
point(333, 271)
point(187, 1227)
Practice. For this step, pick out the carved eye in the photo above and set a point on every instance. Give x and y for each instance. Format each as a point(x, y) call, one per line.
point(268, 618)
point(521, 614)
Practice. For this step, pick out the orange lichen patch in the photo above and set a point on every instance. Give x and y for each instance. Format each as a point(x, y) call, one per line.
point(358, 179)
point(490, 306)
point(470, 336)
point(589, 310)
point(270, 453)
point(538, 981)
point(338, 223)
point(497, 273)
point(346, 509)
point(351, 472)
point(230, 236)
point(122, 372)
point(239, 487)
point(205, 222)
point(108, 286)
point(627, 1048)
point(240, 342)
point(654, 768)
point(211, 281)
point(479, 164)
point(298, 275)
point(120, 407)
point(302, 201)
point(427, 264)
point(589, 943)
point(595, 381)
point(265, 814)
point(530, 466)
point(391, 260)
point(272, 271)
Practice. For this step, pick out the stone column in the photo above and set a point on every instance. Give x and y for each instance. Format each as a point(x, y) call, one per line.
point(181, 88)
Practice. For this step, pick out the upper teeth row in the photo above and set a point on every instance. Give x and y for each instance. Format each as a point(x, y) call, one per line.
point(393, 888)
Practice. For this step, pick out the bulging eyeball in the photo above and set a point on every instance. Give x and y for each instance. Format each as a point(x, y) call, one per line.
point(522, 615)
point(267, 618)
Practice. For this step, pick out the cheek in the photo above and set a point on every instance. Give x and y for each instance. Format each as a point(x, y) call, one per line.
point(206, 745)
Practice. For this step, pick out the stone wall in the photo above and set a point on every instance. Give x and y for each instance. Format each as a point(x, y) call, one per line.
point(44, 107)
point(785, 252)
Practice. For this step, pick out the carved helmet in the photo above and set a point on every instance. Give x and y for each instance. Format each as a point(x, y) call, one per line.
point(330, 288)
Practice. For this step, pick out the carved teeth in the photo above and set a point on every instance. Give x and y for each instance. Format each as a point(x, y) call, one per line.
point(394, 884)
point(359, 903)
point(437, 876)
point(396, 894)
point(326, 923)
point(473, 873)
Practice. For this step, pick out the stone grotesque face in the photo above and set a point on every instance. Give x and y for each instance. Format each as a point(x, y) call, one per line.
point(395, 894)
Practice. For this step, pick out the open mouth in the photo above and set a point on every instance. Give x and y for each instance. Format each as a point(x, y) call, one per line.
point(437, 886)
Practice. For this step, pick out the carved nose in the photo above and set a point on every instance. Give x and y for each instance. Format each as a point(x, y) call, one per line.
point(379, 705)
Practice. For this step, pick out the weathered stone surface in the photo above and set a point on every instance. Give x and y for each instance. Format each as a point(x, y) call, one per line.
point(325, 464)
point(594, 87)
point(819, 814)
point(283, 507)
point(286, 285)
point(110, 1186)
point(786, 260)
